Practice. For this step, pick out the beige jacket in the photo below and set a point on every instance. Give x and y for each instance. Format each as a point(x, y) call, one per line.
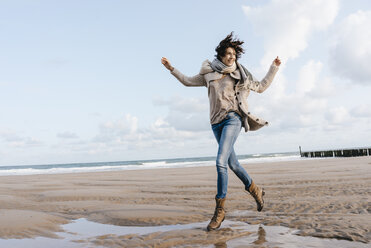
point(243, 87)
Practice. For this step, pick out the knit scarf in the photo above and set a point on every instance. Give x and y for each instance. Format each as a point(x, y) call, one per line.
point(220, 67)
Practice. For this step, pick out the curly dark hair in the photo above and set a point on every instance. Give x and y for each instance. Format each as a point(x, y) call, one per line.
point(229, 41)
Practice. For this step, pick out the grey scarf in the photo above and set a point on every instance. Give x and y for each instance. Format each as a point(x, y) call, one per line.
point(245, 74)
point(220, 67)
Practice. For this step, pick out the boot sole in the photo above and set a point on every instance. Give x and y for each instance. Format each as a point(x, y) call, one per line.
point(263, 193)
point(212, 229)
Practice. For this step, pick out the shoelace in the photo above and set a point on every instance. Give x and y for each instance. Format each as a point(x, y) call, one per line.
point(216, 213)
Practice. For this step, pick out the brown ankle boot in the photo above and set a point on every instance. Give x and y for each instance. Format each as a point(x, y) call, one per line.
point(258, 194)
point(219, 215)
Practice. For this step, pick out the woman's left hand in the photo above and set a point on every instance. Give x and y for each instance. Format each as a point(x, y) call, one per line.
point(167, 64)
point(277, 61)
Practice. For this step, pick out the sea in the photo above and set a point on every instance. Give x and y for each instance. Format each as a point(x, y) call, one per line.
point(140, 164)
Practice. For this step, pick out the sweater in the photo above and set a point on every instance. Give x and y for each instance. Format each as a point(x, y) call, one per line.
point(207, 76)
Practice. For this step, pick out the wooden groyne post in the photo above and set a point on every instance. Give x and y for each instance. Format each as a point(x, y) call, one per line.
point(351, 152)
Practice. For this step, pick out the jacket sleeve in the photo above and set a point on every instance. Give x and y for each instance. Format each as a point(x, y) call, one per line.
point(198, 80)
point(261, 86)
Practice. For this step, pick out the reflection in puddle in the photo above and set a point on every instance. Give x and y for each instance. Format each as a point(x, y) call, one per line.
point(259, 239)
point(277, 236)
point(262, 236)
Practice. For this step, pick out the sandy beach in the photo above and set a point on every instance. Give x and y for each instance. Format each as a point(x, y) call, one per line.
point(327, 198)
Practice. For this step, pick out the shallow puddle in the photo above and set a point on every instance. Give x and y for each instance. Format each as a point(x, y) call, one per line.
point(277, 236)
point(80, 232)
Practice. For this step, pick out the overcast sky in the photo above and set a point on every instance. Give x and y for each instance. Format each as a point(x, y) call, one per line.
point(81, 80)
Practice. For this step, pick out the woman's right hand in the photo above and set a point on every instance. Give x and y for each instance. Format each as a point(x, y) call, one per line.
point(167, 64)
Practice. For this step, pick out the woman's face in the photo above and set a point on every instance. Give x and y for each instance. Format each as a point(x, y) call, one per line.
point(229, 57)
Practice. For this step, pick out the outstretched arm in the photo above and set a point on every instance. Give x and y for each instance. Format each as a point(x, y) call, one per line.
point(197, 80)
point(261, 86)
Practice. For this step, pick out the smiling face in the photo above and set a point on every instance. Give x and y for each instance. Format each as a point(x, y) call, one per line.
point(230, 56)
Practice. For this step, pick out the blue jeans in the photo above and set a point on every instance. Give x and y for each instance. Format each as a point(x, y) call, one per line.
point(226, 133)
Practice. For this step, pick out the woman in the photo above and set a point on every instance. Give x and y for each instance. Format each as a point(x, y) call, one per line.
point(229, 83)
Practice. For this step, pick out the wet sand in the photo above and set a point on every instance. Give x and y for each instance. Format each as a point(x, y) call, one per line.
point(327, 198)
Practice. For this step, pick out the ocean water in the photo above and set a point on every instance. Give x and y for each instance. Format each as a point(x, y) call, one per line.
point(140, 164)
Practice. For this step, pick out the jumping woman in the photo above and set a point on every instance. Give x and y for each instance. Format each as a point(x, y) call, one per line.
point(229, 84)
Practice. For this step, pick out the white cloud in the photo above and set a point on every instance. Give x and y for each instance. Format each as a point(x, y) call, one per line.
point(350, 52)
point(187, 114)
point(124, 135)
point(308, 76)
point(184, 105)
point(117, 130)
point(286, 25)
point(14, 140)
point(338, 115)
point(361, 111)
point(183, 131)
point(311, 83)
point(67, 135)
point(10, 136)
point(299, 104)
point(309, 103)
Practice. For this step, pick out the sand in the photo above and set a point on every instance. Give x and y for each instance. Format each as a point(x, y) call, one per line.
point(327, 198)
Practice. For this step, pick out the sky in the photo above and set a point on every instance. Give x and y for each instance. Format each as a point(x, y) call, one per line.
point(81, 81)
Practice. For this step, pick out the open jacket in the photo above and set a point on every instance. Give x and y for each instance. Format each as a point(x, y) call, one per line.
point(245, 83)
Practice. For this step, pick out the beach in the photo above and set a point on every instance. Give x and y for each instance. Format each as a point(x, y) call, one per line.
point(325, 198)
